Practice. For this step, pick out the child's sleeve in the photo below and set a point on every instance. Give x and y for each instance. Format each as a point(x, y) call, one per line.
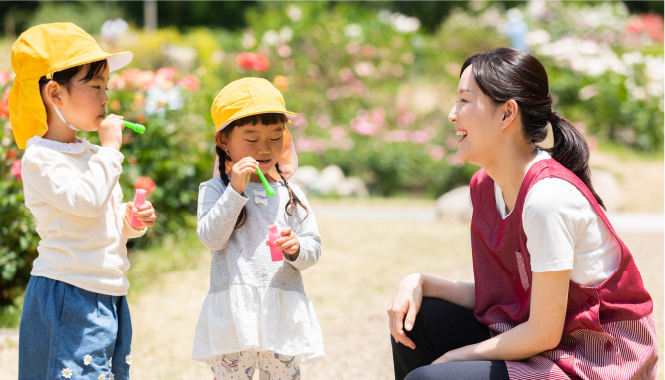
point(55, 181)
point(308, 235)
point(217, 214)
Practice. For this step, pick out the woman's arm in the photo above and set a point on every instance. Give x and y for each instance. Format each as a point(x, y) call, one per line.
point(406, 303)
point(542, 332)
point(458, 292)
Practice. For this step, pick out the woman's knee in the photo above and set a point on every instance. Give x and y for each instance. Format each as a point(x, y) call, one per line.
point(421, 373)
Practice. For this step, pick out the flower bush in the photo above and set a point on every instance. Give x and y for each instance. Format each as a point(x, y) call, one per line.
point(18, 239)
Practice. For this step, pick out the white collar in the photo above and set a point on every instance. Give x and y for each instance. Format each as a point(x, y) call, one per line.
point(77, 147)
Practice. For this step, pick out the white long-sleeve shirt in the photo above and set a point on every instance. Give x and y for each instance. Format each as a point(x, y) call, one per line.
point(73, 192)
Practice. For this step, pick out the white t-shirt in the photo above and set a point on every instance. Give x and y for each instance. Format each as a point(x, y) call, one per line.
point(564, 232)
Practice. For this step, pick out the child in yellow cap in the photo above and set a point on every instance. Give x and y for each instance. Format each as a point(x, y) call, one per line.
point(75, 322)
point(256, 311)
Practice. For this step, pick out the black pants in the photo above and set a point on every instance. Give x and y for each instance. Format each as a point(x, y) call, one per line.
point(440, 327)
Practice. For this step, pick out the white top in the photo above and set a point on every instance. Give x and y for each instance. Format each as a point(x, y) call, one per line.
point(564, 232)
point(73, 192)
point(254, 302)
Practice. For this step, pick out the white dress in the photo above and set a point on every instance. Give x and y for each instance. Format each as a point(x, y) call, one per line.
point(253, 302)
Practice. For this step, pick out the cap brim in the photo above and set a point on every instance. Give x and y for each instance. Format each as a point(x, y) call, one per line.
point(289, 115)
point(116, 61)
point(119, 60)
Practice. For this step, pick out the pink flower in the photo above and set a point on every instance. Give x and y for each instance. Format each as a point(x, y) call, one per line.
point(337, 133)
point(332, 93)
point(306, 144)
point(166, 73)
point(650, 24)
point(4, 105)
point(364, 127)
point(420, 137)
point(284, 50)
point(4, 108)
point(406, 119)
point(378, 116)
point(146, 184)
point(190, 83)
point(16, 170)
point(251, 61)
point(4, 77)
point(299, 121)
point(437, 153)
point(397, 136)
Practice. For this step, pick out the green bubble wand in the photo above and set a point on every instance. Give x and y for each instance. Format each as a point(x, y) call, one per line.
point(269, 189)
point(138, 128)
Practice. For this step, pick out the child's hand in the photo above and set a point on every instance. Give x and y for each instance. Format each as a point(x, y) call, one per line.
point(145, 213)
point(240, 173)
point(288, 243)
point(110, 132)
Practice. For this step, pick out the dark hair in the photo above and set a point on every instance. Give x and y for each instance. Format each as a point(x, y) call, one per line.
point(64, 77)
point(505, 74)
point(264, 119)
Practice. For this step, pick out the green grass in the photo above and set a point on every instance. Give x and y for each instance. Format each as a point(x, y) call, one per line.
point(628, 154)
point(10, 316)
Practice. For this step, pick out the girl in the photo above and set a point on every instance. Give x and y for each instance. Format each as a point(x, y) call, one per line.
point(557, 294)
point(256, 311)
point(75, 321)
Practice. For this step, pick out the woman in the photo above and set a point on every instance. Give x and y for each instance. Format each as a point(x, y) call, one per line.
point(557, 294)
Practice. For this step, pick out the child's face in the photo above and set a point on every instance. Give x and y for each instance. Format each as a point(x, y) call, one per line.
point(264, 143)
point(84, 105)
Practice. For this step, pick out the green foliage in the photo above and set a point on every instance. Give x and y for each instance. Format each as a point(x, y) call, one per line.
point(18, 240)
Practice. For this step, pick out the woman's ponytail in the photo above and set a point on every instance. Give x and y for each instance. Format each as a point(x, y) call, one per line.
point(508, 74)
point(571, 150)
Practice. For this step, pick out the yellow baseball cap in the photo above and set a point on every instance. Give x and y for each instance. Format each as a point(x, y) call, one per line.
point(42, 51)
point(253, 96)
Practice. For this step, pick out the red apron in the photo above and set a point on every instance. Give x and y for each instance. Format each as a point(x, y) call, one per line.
point(609, 331)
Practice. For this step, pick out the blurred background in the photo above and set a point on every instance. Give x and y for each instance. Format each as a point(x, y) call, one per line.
point(373, 83)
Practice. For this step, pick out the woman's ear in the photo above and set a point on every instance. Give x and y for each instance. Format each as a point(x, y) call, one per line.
point(53, 92)
point(510, 113)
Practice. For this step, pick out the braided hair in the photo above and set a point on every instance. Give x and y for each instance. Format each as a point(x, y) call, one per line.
point(264, 119)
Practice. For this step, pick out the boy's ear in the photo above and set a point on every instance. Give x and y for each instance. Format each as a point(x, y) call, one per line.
point(53, 93)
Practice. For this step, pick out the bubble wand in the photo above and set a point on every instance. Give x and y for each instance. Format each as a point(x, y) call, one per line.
point(138, 128)
point(269, 189)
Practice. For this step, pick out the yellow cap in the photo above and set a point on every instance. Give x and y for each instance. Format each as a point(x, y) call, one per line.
point(42, 51)
point(253, 96)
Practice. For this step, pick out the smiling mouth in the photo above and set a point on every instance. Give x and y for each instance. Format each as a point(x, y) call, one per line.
point(460, 132)
point(263, 161)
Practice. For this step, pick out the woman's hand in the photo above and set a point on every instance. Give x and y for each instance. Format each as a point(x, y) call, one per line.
point(288, 243)
point(406, 302)
point(241, 172)
point(145, 213)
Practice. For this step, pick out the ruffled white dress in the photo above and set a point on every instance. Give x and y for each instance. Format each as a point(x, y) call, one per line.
point(253, 302)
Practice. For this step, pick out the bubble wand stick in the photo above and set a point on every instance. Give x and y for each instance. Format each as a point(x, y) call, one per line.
point(138, 128)
point(269, 189)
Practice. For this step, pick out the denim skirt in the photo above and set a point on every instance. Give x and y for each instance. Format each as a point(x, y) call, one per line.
point(70, 333)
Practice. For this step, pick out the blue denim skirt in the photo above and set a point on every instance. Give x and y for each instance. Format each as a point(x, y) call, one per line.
point(70, 333)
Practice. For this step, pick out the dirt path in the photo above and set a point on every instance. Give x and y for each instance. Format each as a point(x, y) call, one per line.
point(350, 287)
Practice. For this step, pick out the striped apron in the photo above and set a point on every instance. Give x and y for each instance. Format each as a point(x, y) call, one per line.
point(609, 331)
